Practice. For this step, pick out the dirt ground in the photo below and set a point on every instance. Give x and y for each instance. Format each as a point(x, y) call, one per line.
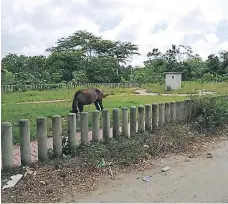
point(194, 176)
point(200, 179)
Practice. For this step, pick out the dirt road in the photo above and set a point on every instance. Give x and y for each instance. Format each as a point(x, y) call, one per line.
point(199, 179)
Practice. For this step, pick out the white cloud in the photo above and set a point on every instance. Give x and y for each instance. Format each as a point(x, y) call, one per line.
point(223, 46)
point(30, 26)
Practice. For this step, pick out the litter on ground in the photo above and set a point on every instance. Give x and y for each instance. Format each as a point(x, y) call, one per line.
point(13, 181)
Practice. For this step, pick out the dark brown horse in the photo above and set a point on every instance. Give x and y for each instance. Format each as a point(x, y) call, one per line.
point(86, 97)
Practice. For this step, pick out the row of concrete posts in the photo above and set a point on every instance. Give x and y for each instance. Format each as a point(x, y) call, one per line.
point(149, 118)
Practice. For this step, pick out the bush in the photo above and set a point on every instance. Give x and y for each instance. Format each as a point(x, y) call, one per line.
point(126, 151)
point(210, 113)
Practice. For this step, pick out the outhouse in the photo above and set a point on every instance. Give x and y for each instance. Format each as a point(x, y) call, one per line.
point(173, 80)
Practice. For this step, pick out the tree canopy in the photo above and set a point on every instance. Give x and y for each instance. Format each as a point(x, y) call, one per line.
point(85, 57)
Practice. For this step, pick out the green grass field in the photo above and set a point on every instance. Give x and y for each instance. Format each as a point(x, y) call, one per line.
point(118, 98)
point(17, 97)
point(14, 112)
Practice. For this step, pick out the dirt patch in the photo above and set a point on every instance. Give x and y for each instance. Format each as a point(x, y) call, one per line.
point(144, 92)
point(188, 180)
point(47, 101)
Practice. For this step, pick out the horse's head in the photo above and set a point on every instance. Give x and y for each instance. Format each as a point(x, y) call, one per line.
point(101, 93)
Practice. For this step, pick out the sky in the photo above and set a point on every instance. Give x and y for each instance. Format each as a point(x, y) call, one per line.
point(30, 26)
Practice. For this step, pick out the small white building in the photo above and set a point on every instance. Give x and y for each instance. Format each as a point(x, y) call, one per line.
point(173, 80)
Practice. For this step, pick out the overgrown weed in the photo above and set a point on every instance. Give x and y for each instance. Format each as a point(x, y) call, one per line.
point(211, 112)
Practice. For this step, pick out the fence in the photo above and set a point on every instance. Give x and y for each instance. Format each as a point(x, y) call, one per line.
point(150, 117)
point(14, 88)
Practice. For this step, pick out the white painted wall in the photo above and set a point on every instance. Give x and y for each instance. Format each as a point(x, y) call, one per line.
point(173, 80)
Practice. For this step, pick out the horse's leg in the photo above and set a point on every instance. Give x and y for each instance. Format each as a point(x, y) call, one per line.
point(97, 105)
point(80, 107)
point(100, 103)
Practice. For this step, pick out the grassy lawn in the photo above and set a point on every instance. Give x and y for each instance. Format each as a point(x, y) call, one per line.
point(17, 97)
point(190, 87)
point(14, 112)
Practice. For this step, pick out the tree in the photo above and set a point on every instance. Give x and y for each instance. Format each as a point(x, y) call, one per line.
point(213, 63)
point(103, 69)
point(170, 61)
point(37, 67)
point(94, 46)
point(194, 68)
point(224, 62)
point(8, 77)
point(14, 63)
point(61, 65)
point(146, 75)
point(80, 77)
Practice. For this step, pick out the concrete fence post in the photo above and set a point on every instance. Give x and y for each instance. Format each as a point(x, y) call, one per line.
point(95, 126)
point(84, 128)
point(125, 122)
point(141, 119)
point(178, 111)
point(57, 135)
point(7, 145)
point(172, 112)
point(106, 123)
point(182, 110)
point(42, 138)
point(155, 115)
point(148, 117)
point(25, 142)
point(132, 120)
point(185, 104)
point(72, 124)
point(161, 114)
point(116, 122)
point(167, 113)
point(194, 108)
point(190, 108)
point(186, 109)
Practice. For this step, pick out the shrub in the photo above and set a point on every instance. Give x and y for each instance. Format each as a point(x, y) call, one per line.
point(210, 113)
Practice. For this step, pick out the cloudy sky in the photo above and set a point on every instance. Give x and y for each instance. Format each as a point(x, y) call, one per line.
point(31, 26)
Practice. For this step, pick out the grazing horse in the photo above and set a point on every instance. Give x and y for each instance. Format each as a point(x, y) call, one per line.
point(86, 97)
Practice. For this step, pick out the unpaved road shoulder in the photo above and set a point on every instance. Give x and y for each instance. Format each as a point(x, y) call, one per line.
point(198, 179)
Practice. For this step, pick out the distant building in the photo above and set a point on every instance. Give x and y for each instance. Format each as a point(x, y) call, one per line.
point(173, 80)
